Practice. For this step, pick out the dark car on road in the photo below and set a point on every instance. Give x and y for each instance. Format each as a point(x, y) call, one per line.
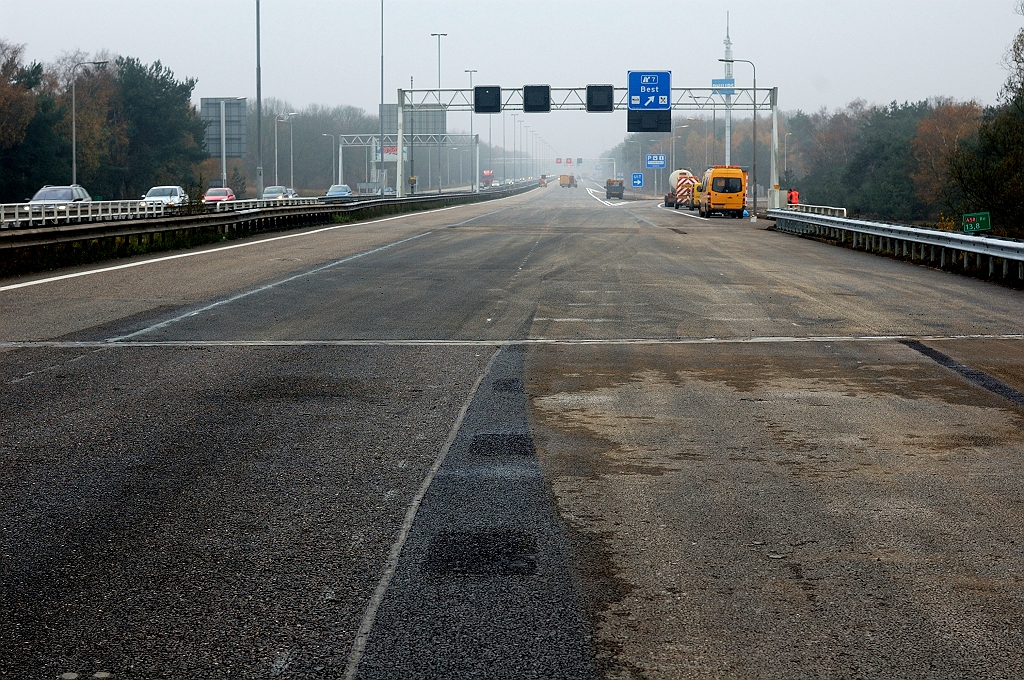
point(338, 193)
point(50, 197)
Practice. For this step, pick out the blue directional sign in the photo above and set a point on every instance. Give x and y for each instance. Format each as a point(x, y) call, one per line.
point(725, 83)
point(638, 179)
point(656, 160)
point(650, 90)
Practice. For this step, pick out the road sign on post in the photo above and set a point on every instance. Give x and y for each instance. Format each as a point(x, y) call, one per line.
point(638, 179)
point(656, 160)
point(975, 222)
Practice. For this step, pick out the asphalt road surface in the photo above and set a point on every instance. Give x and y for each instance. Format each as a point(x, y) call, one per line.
point(547, 436)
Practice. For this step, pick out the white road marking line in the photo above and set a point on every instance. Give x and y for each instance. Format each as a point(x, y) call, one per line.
point(596, 196)
point(168, 322)
point(366, 625)
point(642, 219)
point(686, 214)
point(100, 345)
point(459, 224)
point(129, 265)
point(571, 319)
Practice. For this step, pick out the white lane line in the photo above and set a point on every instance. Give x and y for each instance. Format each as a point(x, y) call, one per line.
point(571, 320)
point(493, 212)
point(642, 219)
point(195, 312)
point(763, 340)
point(596, 196)
point(366, 625)
point(129, 265)
point(685, 214)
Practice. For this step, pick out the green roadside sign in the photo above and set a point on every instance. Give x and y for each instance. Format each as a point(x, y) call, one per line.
point(975, 222)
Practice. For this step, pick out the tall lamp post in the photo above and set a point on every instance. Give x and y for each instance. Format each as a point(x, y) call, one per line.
point(753, 217)
point(441, 133)
point(515, 118)
point(279, 119)
point(471, 71)
point(74, 135)
point(785, 160)
point(333, 141)
point(680, 127)
point(291, 151)
point(259, 111)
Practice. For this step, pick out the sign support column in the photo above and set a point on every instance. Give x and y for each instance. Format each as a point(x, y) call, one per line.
point(775, 194)
point(400, 147)
point(476, 163)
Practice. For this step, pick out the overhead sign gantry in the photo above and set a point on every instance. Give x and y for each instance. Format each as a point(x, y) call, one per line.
point(649, 116)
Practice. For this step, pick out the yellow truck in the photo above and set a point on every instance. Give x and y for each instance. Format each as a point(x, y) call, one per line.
point(723, 191)
point(566, 181)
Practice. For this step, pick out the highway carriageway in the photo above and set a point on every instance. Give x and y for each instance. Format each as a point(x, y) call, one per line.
point(534, 437)
point(36, 239)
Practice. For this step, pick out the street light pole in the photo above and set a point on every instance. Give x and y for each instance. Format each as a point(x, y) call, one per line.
point(441, 133)
point(515, 117)
point(786, 157)
point(753, 218)
point(259, 111)
point(74, 135)
point(471, 71)
point(277, 119)
point(333, 141)
point(291, 149)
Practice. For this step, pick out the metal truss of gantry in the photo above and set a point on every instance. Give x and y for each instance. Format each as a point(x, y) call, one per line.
point(370, 140)
point(575, 99)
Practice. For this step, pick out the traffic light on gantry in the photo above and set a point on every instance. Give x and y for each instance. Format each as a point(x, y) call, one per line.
point(487, 99)
point(536, 98)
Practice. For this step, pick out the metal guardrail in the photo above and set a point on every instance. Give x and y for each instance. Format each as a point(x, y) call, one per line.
point(914, 243)
point(30, 215)
point(818, 209)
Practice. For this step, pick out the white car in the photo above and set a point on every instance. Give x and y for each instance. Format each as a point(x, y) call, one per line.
point(166, 195)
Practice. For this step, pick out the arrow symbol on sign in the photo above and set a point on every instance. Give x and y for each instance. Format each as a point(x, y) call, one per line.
point(650, 100)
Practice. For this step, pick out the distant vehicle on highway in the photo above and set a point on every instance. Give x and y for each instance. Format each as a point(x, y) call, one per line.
point(274, 193)
point(389, 191)
point(291, 193)
point(338, 193)
point(216, 195)
point(165, 195)
point(614, 188)
point(51, 196)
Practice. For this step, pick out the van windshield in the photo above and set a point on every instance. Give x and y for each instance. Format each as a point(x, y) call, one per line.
point(727, 185)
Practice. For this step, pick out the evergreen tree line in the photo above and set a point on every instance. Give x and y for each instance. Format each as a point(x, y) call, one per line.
point(135, 123)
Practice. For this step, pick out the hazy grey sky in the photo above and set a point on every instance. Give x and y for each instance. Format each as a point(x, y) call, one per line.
point(818, 52)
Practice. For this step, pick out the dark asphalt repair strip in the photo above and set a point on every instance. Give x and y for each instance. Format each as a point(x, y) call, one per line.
point(372, 608)
point(979, 378)
point(484, 587)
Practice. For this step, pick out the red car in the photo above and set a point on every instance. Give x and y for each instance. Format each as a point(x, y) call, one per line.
point(218, 195)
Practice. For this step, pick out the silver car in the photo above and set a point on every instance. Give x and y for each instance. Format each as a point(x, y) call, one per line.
point(165, 195)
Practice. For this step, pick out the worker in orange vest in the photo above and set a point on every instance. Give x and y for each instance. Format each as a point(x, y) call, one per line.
point(793, 197)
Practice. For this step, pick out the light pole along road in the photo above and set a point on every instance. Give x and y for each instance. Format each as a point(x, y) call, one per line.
point(539, 437)
point(74, 122)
